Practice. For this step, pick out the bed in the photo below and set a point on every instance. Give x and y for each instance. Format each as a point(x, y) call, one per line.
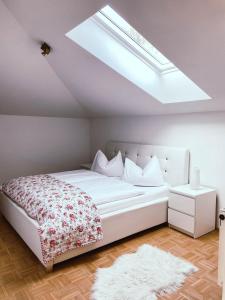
point(123, 212)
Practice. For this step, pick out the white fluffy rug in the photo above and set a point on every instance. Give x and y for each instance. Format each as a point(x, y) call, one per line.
point(141, 276)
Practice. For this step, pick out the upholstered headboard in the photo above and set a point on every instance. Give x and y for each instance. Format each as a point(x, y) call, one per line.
point(174, 161)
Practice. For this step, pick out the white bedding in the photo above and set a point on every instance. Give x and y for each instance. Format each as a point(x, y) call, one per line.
point(110, 193)
point(160, 195)
point(101, 188)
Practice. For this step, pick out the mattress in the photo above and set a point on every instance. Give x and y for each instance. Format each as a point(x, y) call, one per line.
point(112, 194)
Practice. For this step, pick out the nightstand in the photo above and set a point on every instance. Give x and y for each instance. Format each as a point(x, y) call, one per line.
point(192, 211)
point(86, 166)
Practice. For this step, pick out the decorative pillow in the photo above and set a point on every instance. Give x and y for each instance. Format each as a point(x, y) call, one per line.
point(101, 165)
point(151, 175)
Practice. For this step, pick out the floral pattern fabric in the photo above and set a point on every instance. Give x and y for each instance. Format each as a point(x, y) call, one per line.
point(66, 215)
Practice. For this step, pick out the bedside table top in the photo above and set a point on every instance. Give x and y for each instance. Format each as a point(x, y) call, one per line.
point(188, 191)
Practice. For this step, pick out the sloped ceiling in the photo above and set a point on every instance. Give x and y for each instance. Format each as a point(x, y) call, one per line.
point(70, 82)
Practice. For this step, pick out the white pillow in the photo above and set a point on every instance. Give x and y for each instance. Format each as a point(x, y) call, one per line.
point(101, 165)
point(151, 175)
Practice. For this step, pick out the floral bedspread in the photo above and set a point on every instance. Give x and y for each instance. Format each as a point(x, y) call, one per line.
point(67, 216)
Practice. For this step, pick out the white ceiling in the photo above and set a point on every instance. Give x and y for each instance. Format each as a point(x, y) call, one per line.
point(70, 82)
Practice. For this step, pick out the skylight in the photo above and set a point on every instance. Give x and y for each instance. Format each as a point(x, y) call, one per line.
point(111, 39)
point(133, 39)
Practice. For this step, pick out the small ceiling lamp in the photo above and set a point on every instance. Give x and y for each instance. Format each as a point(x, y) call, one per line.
point(46, 49)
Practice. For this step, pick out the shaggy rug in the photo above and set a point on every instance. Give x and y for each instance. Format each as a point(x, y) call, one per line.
point(144, 275)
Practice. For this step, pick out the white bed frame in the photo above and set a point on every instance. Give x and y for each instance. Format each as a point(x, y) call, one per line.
point(117, 225)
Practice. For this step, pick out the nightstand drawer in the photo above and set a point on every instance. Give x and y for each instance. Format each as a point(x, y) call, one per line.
point(181, 220)
point(182, 203)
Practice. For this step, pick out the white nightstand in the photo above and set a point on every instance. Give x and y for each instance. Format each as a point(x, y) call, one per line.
point(86, 166)
point(192, 211)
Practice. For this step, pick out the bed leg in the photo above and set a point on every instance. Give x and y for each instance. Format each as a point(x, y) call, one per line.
point(49, 268)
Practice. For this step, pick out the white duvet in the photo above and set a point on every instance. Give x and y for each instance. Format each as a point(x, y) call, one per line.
point(105, 189)
point(101, 188)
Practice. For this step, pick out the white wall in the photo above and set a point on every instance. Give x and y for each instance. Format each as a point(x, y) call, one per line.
point(32, 145)
point(203, 134)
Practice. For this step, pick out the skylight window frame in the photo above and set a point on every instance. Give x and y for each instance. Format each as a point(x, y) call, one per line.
point(114, 30)
point(117, 24)
point(106, 42)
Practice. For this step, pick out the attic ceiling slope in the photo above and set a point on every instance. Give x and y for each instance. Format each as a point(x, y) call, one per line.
point(188, 33)
point(29, 85)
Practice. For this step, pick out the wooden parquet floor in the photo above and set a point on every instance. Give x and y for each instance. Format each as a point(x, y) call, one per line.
point(23, 278)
